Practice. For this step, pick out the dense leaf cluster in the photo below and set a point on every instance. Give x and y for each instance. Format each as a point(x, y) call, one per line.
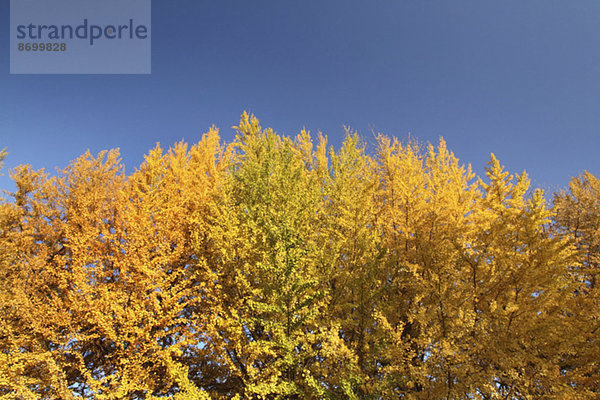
point(274, 268)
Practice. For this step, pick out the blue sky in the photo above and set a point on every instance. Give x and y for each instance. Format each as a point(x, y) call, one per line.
point(519, 79)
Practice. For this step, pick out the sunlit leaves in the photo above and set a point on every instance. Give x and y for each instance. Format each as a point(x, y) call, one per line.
point(274, 267)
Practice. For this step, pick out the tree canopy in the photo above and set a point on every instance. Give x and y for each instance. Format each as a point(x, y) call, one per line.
point(277, 267)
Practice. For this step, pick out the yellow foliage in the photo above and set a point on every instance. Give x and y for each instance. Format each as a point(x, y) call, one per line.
point(273, 267)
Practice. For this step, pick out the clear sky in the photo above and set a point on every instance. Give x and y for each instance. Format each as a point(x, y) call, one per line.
point(517, 78)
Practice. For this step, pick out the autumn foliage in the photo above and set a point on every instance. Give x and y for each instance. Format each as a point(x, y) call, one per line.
point(278, 268)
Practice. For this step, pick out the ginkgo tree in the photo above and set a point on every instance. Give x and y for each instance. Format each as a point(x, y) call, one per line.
point(428, 201)
point(578, 218)
point(523, 292)
point(276, 267)
point(269, 260)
